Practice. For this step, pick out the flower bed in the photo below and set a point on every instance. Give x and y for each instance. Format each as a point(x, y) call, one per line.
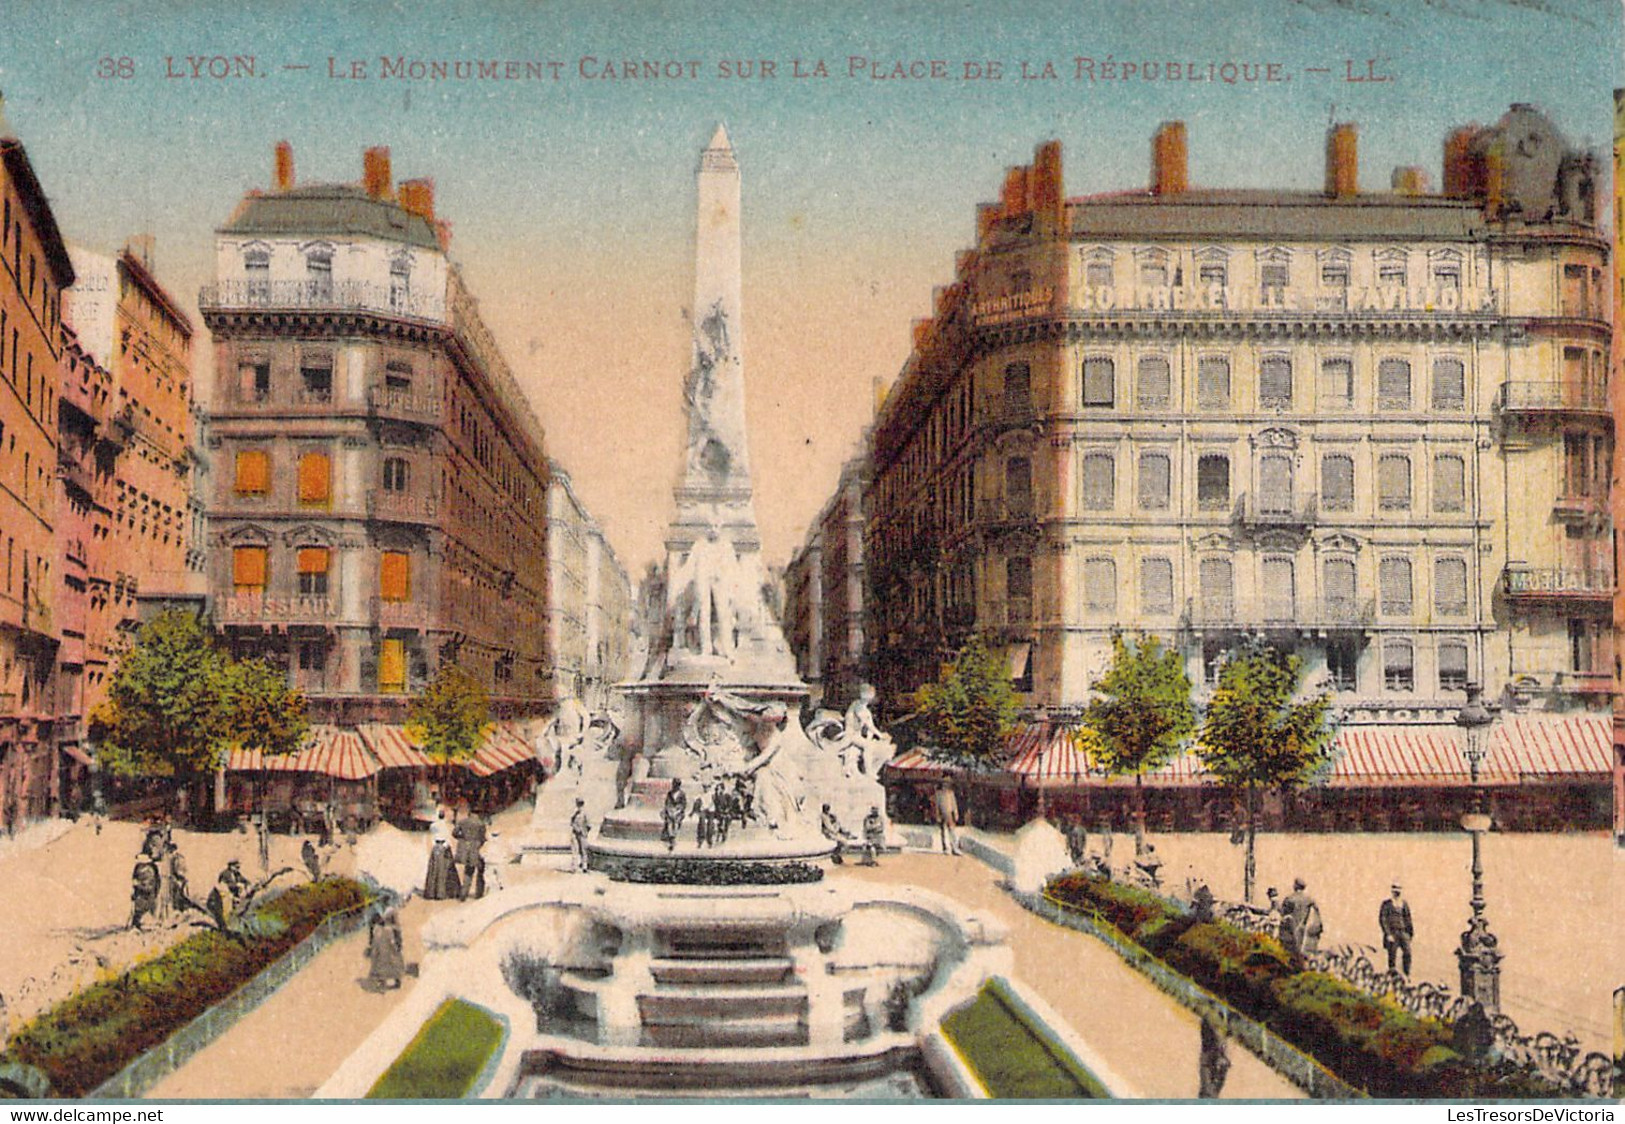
point(446, 1057)
point(87, 1038)
point(1369, 1042)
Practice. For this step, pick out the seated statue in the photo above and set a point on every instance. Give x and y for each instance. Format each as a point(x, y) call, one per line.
point(860, 744)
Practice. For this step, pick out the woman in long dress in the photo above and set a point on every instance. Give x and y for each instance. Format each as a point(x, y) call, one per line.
point(441, 881)
point(384, 950)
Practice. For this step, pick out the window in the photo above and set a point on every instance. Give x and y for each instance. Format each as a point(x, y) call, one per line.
point(1273, 276)
point(312, 658)
point(1334, 273)
point(1391, 269)
point(1394, 579)
point(1099, 482)
point(392, 665)
point(312, 563)
point(1156, 585)
point(1153, 271)
point(1099, 378)
point(1336, 383)
point(1213, 482)
point(1154, 385)
point(1212, 273)
point(1338, 589)
point(1280, 590)
point(1450, 587)
point(1449, 483)
point(316, 379)
point(248, 570)
point(400, 284)
point(1018, 486)
point(1154, 481)
point(1584, 646)
point(1452, 665)
point(257, 273)
point(1393, 385)
point(1018, 391)
point(1449, 384)
point(1098, 272)
point(253, 476)
point(1398, 666)
point(1574, 290)
point(1018, 585)
point(1213, 382)
point(319, 275)
point(315, 480)
point(398, 377)
point(1275, 381)
point(1343, 664)
point(1337, 483)
point(395, 576)
point(1394, 483)
point(397, 474)
point(254, 381)
point(1275, 485)
point(1447, 272)
point(1214, 582)
point(1100, 586)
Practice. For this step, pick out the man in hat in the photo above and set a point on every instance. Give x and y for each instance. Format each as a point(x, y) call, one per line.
point(1394, 919)
point(143, 889)
point(232, 883)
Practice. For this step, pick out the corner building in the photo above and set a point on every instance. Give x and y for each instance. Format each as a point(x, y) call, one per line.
point(379, 482)
point(1370, 427)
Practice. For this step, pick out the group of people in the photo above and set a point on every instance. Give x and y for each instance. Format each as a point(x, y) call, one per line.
point(728, 804)
point(874, 835)
point(457, 841)
point(158, 886)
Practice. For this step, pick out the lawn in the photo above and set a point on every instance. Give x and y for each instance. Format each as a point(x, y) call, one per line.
point(1013, 1059)
point(445, 1058)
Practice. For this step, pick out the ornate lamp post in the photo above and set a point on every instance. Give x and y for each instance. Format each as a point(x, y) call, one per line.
point(1478, 957)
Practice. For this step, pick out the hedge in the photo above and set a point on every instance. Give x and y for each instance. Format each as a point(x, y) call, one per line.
point(91, 1035)
point(1369, 1042)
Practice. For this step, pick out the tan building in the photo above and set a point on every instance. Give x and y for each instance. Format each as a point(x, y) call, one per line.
point(379, 484)
point(824, 594)
point(1371, 427)
point(590, 611)
point(1617, 385)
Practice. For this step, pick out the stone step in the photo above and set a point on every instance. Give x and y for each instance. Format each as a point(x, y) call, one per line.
point(722, 945)
point(704, 1005)
point(710, 1034)
point(723, 971)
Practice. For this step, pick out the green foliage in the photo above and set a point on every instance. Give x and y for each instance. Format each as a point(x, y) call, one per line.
point(451, 714)
point(178, 703)
point(1257, 734)
point(1013, 1059)
point(969, 711)
point(1128, 909)
point(1142, 710)
point(445, 1058)
point(90, 1036)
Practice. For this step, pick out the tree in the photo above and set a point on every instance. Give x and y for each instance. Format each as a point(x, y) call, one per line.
point(1259, 733)
point(968, 712)
point(450, 716)
point(1141, 714)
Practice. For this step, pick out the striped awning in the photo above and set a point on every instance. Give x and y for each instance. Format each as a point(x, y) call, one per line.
point(914, 765)
point(334, 751)
point(503, 747)
point(394, 747)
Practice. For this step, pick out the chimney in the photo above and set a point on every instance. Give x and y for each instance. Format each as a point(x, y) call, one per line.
point(282, 170)
point(1342, 161)
point(375, 172)
point(1461, 173)
point(1494, 179)
point(1409, 180)
point(1014, 198)
point(1169, 159)
point(1048, 193)
point(417, 198)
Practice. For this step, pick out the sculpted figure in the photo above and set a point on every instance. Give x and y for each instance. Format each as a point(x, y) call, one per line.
point(703, 605)
point(564, 738)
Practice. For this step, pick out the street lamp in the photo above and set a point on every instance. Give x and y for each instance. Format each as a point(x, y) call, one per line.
point(1478, 957)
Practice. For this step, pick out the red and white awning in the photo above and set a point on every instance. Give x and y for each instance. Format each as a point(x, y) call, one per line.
point(334, 751)
point(503, 747)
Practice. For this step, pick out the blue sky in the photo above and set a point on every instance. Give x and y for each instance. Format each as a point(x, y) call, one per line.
point(572, 200)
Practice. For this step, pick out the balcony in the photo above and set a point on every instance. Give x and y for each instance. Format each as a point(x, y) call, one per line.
point(1338, 613)
point(1275, 511)
point(320, 296)
point(258, 609)
point(1585, 682)
point(402, 507)
point(403, 404)
point(1005, 511)
point(1275, 613)
point(1557, 587)
point(1554, 398)
point(401, 614)
point(1579, 508)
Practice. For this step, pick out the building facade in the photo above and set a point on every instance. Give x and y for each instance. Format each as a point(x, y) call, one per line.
point(590, 611)
point(824, 607)
point(1617, 384)
point(35, 272)
point(1371, 427)
point(379, 485)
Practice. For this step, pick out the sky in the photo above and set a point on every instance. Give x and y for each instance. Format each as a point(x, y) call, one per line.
point(571, 197)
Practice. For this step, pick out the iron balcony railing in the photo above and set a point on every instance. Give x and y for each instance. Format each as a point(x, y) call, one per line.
point(317, 296)
point(1554, 396)
point(1274, 510)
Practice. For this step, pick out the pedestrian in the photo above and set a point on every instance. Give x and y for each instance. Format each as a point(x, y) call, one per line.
point(702, 821)
point(874, 835)
point(232, 883)
point(723, 808)
point(1300, 921)
point(1077, 842)
point(580, 827)
point(671, 815)
point(470, 836)
point(496, 855)
point(832, 830)
point(946, 805)
point(440, 881)
point(1394, 919)
point(1272, 913)
point(179, 896)
point(1213, 1063)
point(143, 889)
point(384, 951)
point(98, 808)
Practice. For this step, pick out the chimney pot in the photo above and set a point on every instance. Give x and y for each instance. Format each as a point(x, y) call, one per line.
point(417, 198)
point(1170, 167)
point(1342, 161)
point(282, 171)
point(1409, 180)
point(375, 176)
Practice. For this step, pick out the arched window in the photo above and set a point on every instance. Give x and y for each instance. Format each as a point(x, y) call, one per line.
point(1154, 384)
point(1100, 586)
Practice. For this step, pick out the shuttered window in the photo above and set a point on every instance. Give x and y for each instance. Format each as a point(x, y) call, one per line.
point(395, 576)
point(1156, 585)
point(1213, 382)
point(1449, 483)
point(392, 665)
point(1393, 385)
point(1398, 666)
point(1275, 381)
point(1018, 486)
point(1337, 483)
point(1336, 382)
point(1154, 383)
point(1213, 482)
point(1449, 384)
point(1394, 483)
point(1275, 485)
point(1338, 588)
point(1394, 579)
point(253, 473)
point(1099, 382)
point(1450, 586)
point(312, 565)
point(1154, 482)
point(315, 480)
point(1280, 590)
point(1099, 482)
point(1452, 665)
point(1217, 591)
point(1018, 390)
point(248, 569)
point(1100, 586)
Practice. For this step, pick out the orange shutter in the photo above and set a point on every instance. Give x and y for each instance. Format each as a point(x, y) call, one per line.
point(313, 559)
point(395, 576)
point(248, 569)
point(315, 478)
point(253, 473)
point(392, 665)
